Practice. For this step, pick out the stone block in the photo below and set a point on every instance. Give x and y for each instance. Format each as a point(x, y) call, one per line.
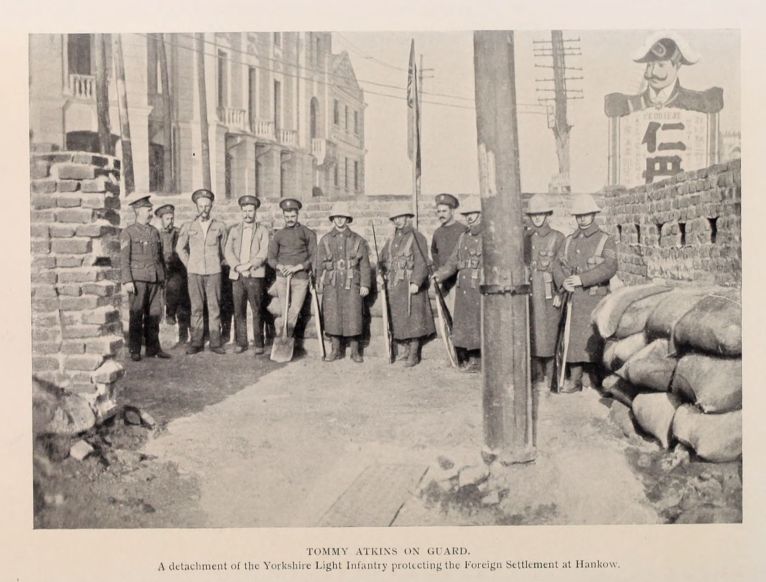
point(72, 246)
point(43, 262)
point(78, 276)
point(69, 262)
point(74, 215)
point(101, 289)
point(68, 186)
point(101, 315)
point(39, 169)
point(45, 348)
point(73, 347)
point(109, 215)
point(97, 230)
point(44, 363)
point(42, 216)
point(95, 185)
point(69, 290)
point(81, 331)
point(94, 201)
point(62, 230)
point(79, 304)
point(83, 362)
point(80, 450)
point(39, 231)
point(44, 291)
point(43, 187)
point(107, 345)
point(110, 371)
point(73, 172)
point(44, 303)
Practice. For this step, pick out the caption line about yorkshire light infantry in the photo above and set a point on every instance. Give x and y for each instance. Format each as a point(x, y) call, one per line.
point(401, 560)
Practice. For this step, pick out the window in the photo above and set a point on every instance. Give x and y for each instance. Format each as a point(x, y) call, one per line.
point(252, 96)
point(278, 39)
point(345, 117)
point(713, 222)
point(277, 105)
point(336, 112)
point(345, 173)
point(356, 176)
point(153, 73)
point(223, 84)
point(356, 123)
point(336, 180)
point(79, 54)
point(317, 51)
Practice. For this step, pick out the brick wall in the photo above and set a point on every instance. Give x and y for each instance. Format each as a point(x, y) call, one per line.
point(686, 228)
point(75, 222)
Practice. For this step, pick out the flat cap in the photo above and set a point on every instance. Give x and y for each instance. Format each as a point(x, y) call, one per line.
point(447, 199)
point(290, 204)
point(249, 199)
point(202, 193)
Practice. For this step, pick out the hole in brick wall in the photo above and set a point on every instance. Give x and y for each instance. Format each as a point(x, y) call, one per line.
point(619, 233)
point(659, 226)
point(102, 262)
point(682, 230)
point(713, 222)
point(638, 233)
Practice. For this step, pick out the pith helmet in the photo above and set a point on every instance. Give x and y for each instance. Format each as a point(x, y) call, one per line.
point(584, 204)
point(400, 210)
point(202, 193)
point(341, 209)
point(538, 204)
point(447, 199)
point(471, 205)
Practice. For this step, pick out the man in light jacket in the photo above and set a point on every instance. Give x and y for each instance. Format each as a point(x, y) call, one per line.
point(247, 249)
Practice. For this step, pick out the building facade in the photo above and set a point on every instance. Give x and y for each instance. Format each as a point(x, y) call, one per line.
point(285, 115)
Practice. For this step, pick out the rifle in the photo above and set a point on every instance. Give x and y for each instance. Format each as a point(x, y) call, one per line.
point(442, 311)
point(562, 344)
point(384, 299)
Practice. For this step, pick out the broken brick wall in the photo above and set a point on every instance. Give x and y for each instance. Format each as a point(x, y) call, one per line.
point(685, 228)
point(75, 226)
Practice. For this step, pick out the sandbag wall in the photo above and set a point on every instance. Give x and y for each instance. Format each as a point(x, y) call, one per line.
point(674, 357)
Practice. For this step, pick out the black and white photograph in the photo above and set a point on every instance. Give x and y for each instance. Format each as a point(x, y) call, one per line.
point(337, 296)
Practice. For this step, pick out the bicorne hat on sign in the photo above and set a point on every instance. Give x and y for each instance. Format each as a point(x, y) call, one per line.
point(202, 193)
point(473, 204)
point(584, 204)
point(290, 204)
point(539, 205)
point(341, 209)
point(447, 199)
point(165, 209)
point(137, 200)
point(248, 199)
point(662, 46)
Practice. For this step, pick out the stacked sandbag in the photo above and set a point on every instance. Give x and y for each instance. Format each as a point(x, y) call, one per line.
point(674, 357)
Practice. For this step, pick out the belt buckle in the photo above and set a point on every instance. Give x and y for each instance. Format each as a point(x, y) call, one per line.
point(341, 264)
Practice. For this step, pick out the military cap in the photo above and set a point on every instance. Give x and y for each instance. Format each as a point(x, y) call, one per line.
point(473, 204)
point(447, 199)
point(164, 209)
point(584, 204)
point(663, 46)
point(138, 200)
point(341, 209)
point(539, 205)
point(249, 199)
point(290, 204)
point(202, 193)
point(400, 210)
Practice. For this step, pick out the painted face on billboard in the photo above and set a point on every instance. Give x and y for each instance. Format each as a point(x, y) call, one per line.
point(661, 74)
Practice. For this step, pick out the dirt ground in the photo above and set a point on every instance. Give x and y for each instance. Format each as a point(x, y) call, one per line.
point(243, 442)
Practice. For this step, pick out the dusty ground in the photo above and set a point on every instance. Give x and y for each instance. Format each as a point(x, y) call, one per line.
point(243, 442)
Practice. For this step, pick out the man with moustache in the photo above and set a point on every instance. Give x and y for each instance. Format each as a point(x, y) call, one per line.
point(444, 241)
point(404, 262)
point(201, 245)
point(247, 248)
point(177, 304)
point(466, 262)
point(343, 275)
point(143, 275)
point(542, 245)
point(584, 264)
point(292, 251)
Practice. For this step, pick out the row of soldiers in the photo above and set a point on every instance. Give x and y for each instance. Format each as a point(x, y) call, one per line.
point(580, 264)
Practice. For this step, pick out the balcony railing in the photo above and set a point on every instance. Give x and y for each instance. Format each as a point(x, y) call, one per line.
point(233, 118)
point(287, 137)
point(319, 149)
point(82, 86)
point(263, 128)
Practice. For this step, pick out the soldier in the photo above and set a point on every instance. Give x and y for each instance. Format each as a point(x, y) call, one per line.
point(143, 275)
point(343, 274)
point(542, 246)
point(177, 305)
point(404, 263)
point(465, 260)
point(200, 246)
point(247, 248)
point(292, 251)
point(583, 267)
point(444, 241)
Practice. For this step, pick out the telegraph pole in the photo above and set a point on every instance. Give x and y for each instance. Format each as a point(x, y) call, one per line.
point(506, 390)
point(168, 184)
point(122, 100)
point(203, 123)
point(102, 95)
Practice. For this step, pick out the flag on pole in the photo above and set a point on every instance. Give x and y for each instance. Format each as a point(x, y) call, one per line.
point(413, 112)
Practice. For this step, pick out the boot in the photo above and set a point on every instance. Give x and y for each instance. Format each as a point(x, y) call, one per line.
point(334, 351)
point(574, 382)
point(413, 356)
point(402, 350)
point(356, 356)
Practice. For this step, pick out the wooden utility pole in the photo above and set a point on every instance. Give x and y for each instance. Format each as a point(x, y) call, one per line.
point(167, 114)
point(102, 95)
point(561, 126)
point(507, 396)
point(122, 100)
point(203, 123)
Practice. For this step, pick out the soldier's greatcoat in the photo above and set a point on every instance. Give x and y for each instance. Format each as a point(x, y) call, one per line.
point(579, 255)
point(405, 264)
point(542, 247)
point(343, 266)
point(466, 261)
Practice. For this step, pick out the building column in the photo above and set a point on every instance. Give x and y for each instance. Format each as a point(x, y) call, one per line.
point(268, 175)
point(243, 167)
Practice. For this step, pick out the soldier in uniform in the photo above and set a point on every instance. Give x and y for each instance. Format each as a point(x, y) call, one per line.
point(247, 248)
point(292, 251)
point(200, 246)
point(465, 260)
point(542, 246)
point(343, 275)
point(177, 305)
point(444, 241)
point(404, 263)
point(585, 263)
point(143, 275)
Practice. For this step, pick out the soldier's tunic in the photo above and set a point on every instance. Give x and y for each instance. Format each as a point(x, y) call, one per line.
point(591, 254)
point(404, 264)
point(466, 261)
point(177, 301)
point(343, 267)
point(141, 263)
point(443, 243)
point(542, 247)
